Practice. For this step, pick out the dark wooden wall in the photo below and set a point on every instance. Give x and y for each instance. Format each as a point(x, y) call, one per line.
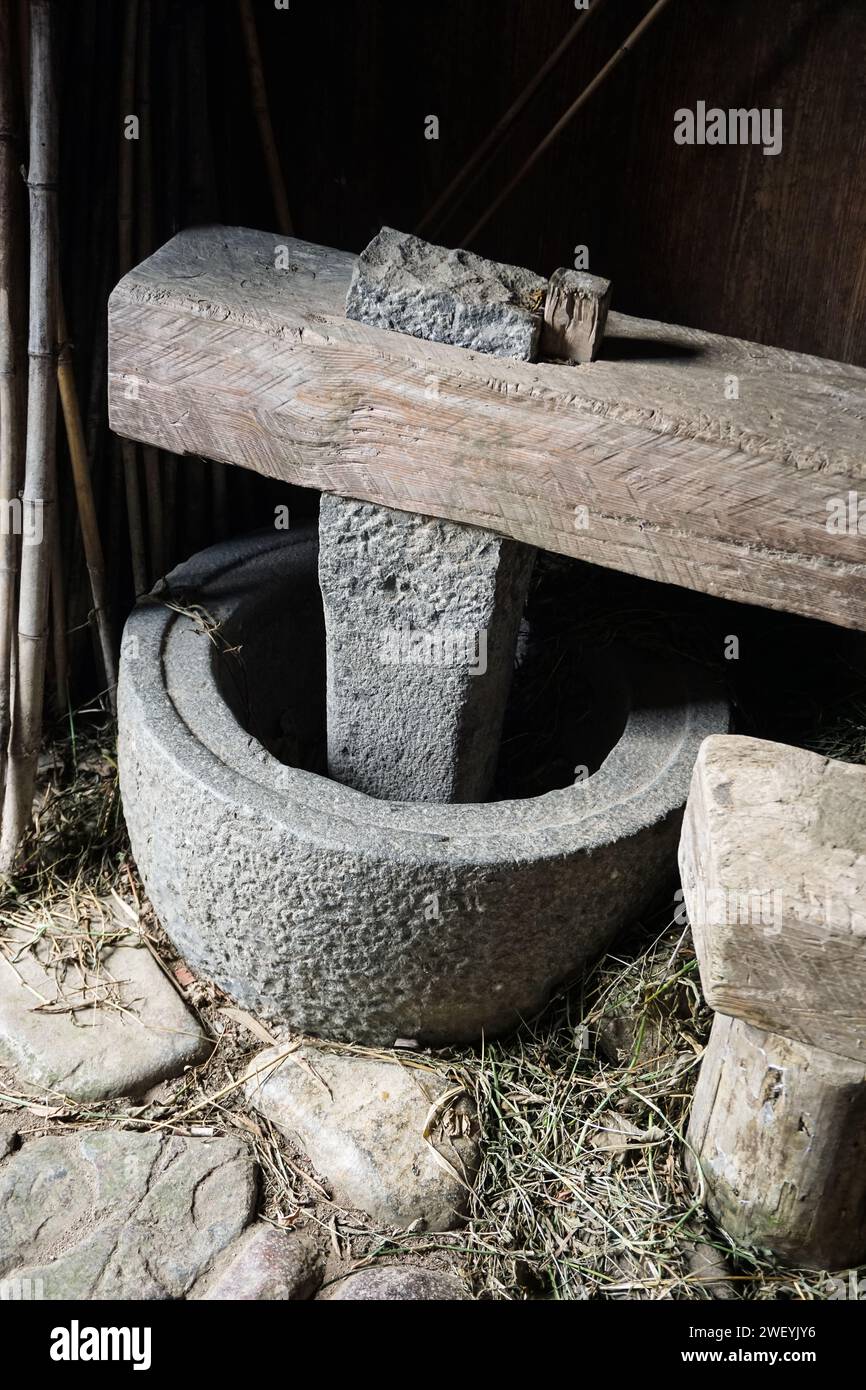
point(726, 238)
point(768, 248)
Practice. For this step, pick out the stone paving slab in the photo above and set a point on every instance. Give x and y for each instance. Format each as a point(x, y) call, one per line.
point(107, 1214)
point(88, 1021)
point(264, 1265)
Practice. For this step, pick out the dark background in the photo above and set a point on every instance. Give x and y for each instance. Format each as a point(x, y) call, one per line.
point(724, 238)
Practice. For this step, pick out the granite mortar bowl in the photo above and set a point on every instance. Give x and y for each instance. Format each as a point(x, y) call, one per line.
point(347, 916)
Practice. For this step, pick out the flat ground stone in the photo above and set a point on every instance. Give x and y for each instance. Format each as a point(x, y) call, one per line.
point(264, 1264)
point(112, 1215)
point(362, 1124)
point(396, 1282)
point(112, 1028)
point(421, 622)
point(411, 286)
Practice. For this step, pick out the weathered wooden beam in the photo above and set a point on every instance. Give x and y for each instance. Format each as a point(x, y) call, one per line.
point(681, 456)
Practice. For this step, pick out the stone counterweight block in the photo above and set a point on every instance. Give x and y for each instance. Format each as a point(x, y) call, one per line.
point(411, 286)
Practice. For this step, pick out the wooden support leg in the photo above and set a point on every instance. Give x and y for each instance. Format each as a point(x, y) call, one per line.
point(778, 1130)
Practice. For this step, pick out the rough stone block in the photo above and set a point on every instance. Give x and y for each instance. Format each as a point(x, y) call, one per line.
point(421, 618)
point(115, 1215)
point(89, 1021)
point(411, 286)
point(773, 865)
point(365, 1126)
point(575, 313)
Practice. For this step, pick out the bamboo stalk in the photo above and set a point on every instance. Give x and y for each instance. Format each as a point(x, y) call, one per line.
point(566, 117)
point(124, 246)
point(499, 129)
point(59, 642)
point(86, 506)
point(10, 400)
point(263, 116)
point(39, 480)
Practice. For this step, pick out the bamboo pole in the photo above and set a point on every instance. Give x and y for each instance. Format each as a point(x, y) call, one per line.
point(86, 506)
point(263, 116)
point(10, 399)
point(39, 480)
point(566, 117)
point(124, 244)
point(59, 642)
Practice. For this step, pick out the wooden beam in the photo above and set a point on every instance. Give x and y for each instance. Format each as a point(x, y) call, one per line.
point(680, 456)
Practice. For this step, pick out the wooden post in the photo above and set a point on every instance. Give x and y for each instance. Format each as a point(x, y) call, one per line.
point(778, 1138)
point(773, 858)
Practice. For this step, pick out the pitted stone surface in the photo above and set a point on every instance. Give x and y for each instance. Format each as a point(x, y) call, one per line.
point(115, 1028)
point(264, 1265)
point(421, 619)
point(421, 615)
point(113, 1215)
point(358, 918)
point(391, 1283)
point(363, 1122)
point(411, 286)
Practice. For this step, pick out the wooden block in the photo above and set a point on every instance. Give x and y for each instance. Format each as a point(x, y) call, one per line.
point(778, 1132)
point(575, 313)
point(773, 865)
point(680, 456)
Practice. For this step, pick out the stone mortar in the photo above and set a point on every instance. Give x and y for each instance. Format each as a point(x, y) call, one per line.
point(345, 915)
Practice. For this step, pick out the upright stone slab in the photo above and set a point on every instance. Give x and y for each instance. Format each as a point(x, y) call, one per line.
point(421, 618)
point(422, 615)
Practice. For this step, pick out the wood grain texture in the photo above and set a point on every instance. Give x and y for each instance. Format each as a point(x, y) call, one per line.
point(215, 352)
point(773, 866)
point(778, 1132)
